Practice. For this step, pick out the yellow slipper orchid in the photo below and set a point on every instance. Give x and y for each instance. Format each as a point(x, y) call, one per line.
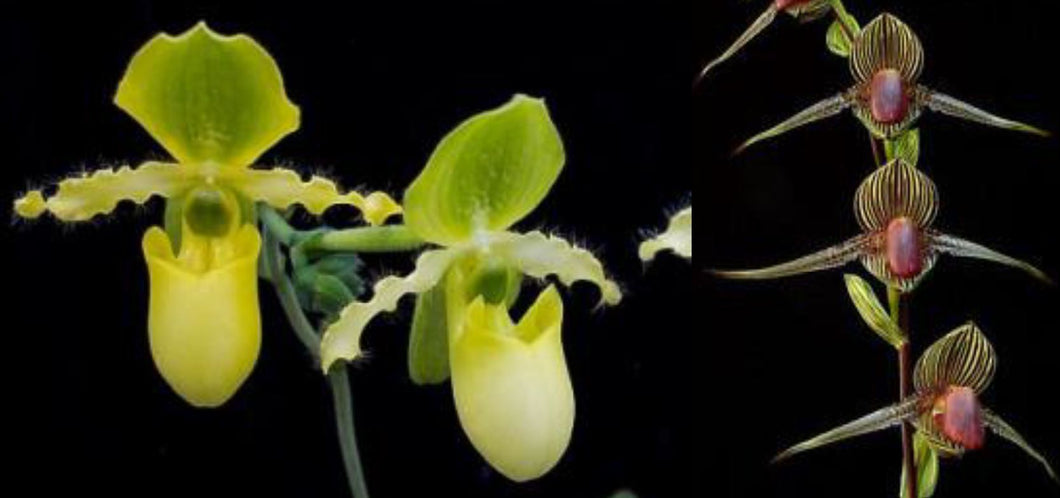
point(510, 382)
point(216, 104)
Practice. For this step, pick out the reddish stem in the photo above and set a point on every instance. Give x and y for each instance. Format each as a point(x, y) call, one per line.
point(905, 367)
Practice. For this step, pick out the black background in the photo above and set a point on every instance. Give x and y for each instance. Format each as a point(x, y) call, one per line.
point(686, 389)
point(378, 87)
point(802, 360)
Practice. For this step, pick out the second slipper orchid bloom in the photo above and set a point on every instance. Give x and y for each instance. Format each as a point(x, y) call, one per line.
point(510, 382)
point(215, 103)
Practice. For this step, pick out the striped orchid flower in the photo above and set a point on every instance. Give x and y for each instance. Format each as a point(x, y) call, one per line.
point(886, 60)
point(803, 10)
point(945, 408)
point(895, 208)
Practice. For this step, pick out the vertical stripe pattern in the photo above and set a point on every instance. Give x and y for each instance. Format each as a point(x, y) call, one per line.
point(895, 190)
point(963, 357)
point(887, 43)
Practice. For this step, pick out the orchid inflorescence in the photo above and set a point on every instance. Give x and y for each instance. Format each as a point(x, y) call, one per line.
point(895, 207)
point(216, 104)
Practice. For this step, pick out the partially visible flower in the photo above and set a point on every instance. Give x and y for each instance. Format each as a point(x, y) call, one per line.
point(510, 381)
point(895, 207)
point(803, 10)
point(945, 409)
point(676, 238)
point(216, 103)
point(886, 60)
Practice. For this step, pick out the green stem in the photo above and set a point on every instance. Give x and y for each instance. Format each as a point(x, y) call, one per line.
point(274, 222)
point(900, 314)
point(843, 17)
point(351, 459)
point(389, 238)
point(286, 293)
point(275, 230)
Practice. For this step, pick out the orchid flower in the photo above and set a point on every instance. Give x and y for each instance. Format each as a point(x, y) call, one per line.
point(510, 382)
point(215, 103)
point(886, 60)
point(677, 238)
point(803, 10)
point(895, 208)
point(945, 408)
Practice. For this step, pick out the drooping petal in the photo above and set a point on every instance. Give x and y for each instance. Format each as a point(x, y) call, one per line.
point(950, 106)
point(963, 357)
point(886, 43)
point(203, 321)
point(342, 339)
point(821, 110)
point(895, 190)
point(831, 257)
point(1001, 428)
point(749, 34)
point(282, 188)
point(875, 421)
point(487, 174)
point(956, 246)
point(538, 256)
point(208, 98)
point(677, 238)
point(511, 387)
point(79, 199)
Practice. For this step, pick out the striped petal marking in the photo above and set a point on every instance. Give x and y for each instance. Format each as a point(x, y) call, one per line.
point(895, 204)
point(963, 358)
point(886, 60)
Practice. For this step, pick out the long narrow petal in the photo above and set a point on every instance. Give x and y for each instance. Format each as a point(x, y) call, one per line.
point(79, 199)
point(677, 238)
point(538, 255)
point(832, 257)
point(281, 188)
point(1001, 428)
point(945, 104)
point(749, 34)
point(956, 246)
point(342, 339)
point(875, 421)
point(821, 110)
point(963, 357)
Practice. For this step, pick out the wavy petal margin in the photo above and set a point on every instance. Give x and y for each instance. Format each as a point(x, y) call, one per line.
point(342, 339)
point(677, 238)
point(281, 188)
point(79, 199)
point(538, 255)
